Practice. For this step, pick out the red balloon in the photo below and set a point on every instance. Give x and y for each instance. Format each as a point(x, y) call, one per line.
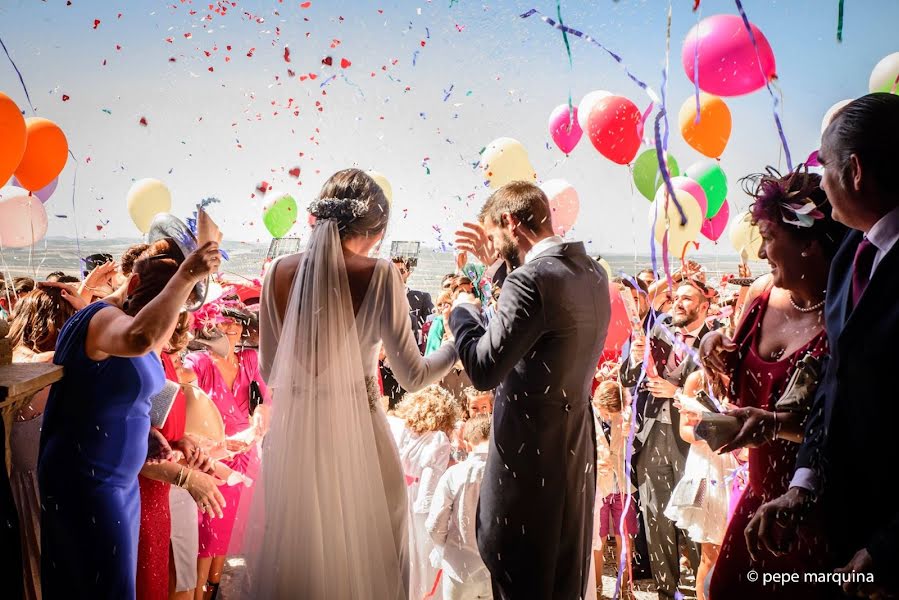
point(614, 127)
point(619, 325)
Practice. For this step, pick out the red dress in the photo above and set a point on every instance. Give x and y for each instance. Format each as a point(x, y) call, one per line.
point(759, 383)
point(155, 519)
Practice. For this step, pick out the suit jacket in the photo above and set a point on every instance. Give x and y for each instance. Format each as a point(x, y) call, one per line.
point(539, 352)
point(420, 306)
point(661, 341)
point(850, 437)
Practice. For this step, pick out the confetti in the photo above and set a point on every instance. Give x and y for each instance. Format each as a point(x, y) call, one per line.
point(328, 61)
point(344, 63)
point(294, 172)
point(143, 121)
point(65, 97)
point(305, 4)
point(96, 23)
point(286, 54)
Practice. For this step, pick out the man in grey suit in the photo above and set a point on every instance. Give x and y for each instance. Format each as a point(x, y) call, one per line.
point(540, 353)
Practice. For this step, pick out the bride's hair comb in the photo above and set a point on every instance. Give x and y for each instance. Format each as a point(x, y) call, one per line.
point(340, 209)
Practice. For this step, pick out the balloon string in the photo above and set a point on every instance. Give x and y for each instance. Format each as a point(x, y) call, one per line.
point(777, 121)
point(81, 263)
point(649, 91)
point(19, 73)
point(840, 21)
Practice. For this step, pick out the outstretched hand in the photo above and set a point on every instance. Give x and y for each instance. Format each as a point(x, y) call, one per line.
point(474, 240)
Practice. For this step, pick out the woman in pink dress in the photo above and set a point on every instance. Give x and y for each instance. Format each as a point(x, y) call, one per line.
point(235, 386)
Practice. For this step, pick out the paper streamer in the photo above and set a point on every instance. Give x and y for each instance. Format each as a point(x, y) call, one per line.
point(19, 73)
point(840, 21)
point(775, 101)
point(564, 28)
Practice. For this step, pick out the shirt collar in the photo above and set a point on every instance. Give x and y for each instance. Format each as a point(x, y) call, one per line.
point(885, 232)
point(542, 246)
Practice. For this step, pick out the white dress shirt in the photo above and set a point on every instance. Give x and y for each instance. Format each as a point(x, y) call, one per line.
point(452, 517)
point(542, 246)
point(884, 236)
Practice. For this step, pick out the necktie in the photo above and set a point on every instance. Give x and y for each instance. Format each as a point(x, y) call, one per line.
point(684, 341)
point(861, 269)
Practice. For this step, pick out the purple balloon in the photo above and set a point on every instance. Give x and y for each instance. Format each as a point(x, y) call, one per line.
point(42, 194)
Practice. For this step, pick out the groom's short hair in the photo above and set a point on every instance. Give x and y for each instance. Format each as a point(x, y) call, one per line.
point(524, 201)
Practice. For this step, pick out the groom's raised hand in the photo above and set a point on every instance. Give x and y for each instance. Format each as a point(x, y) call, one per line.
point(473, 239)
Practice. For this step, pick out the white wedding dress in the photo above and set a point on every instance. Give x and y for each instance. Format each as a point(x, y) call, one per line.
point(331, 521)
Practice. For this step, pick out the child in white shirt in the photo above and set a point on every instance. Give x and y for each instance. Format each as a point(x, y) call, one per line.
point(451, 520)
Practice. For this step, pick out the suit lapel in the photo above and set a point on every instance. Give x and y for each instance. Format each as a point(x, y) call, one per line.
point(881, 283)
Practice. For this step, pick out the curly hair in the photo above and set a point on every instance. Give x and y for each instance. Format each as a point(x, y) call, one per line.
point(430, 409)
point(477, 429)
point(775, 193)
point(181, 336)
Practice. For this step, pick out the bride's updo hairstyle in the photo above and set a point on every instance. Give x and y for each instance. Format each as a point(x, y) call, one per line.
point(355, 202)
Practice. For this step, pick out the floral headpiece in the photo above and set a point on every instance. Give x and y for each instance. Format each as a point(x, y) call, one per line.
point(797, 207)
point(342, 209)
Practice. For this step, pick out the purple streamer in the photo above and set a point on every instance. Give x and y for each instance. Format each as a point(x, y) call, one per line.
point(19, 73)
point(776, 102)
point(588, 38)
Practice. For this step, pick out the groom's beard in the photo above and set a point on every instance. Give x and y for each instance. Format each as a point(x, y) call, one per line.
point(510, 251)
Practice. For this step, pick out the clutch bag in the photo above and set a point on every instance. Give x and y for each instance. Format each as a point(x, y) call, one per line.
point(716, 429)
point(800, 390)
point(161, 403)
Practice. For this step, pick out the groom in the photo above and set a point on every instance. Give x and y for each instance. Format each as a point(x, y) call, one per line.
point(540, 352)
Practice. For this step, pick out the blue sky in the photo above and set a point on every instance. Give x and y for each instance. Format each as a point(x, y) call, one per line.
point(481, 74)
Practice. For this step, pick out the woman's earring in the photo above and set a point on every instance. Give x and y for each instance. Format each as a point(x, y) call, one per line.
point(804, 254)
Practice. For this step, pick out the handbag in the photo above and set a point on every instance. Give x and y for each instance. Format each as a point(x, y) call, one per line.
point(689, 493)
point(800, 391)
point(255, 396)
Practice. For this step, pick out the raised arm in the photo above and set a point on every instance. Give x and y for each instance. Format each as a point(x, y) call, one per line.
point(114, 333)
point(411, 369)
point(489, 354)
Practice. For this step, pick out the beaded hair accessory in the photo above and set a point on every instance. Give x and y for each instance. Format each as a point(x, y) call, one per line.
point(341, 209)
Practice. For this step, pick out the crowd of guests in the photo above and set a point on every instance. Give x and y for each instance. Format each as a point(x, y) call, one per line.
point(738, 430)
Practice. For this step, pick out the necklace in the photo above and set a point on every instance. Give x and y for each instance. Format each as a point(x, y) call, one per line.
point(807, 309)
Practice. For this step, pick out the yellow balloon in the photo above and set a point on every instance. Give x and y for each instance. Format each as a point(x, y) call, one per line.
point(606, 267)
point(146, 199)
point(505, 160)
point(667, 219)
point(383, 184)
point(745, 237)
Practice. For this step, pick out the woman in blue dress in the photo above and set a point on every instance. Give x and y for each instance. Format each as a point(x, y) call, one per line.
point(96, 425)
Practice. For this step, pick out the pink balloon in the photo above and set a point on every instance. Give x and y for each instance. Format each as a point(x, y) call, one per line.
point(45, 192)
point(619, 326)
point(714, 227)
point(728, 63)
point(564, 204)
point(23, 220)
point(564, 128)
point(694, 189)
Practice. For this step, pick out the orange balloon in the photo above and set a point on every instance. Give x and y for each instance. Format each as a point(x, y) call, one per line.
point(12, 137)
point(46, 151)
point(711, 134)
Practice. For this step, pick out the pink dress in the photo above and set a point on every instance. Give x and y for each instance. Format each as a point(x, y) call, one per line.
point(234, 404)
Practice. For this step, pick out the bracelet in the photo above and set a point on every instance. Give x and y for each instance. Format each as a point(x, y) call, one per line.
point(187, 480)
point(179, 477)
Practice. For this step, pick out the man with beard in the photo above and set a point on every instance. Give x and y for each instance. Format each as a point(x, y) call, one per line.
point(659, 452)
point(539, 351)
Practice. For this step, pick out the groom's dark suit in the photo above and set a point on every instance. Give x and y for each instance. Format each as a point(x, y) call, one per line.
point(540, 352)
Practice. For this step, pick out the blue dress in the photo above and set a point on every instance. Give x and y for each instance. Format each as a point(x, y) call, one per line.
point(93, 444)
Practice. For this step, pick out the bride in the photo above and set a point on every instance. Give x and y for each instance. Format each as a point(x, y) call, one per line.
point(330, 519)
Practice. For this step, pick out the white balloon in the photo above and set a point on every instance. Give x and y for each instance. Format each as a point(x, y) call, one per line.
point(667, 219)
point(383, 184)
point(23, 219)
point(505, 160)
point(745, 237)
point(884, 74)
point(586, 105)
point(828, 116)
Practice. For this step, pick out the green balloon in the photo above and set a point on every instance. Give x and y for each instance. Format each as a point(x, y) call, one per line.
point(279, 214)
point(648, 177)
point(711, 178)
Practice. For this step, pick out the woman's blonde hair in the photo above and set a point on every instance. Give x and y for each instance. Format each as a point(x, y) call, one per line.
point(430, 409)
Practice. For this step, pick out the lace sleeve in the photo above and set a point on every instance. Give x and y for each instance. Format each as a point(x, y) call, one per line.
point(411, 370)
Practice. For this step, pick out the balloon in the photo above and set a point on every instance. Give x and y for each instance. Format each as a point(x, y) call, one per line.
point(45, 192)
point(745, 237)
point(711, 177)
point(46, 151)
point(710, 135)
point(564, 204)
point(564, 128)
point(12, 137)
point(714, 227)
point(647, 176)
point(694, 189)
point(828, 116)
point(586, 105)
point(619, 324)
point(23, 220)
point(728, 62)
point(667, 219)
point(614, 128)
point(606, 267)
point(884, 75)
point(505, 160)
point(279, 213)
point(146, 199)
point(383, 184)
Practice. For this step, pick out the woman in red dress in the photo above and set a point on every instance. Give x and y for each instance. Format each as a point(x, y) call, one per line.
point(781, 327)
